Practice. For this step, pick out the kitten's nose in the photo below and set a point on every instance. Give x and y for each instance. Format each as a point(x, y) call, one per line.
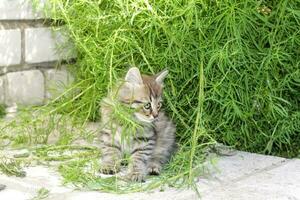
point(155, 115)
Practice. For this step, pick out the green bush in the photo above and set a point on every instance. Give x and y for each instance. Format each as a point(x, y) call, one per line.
point(249, 51)
point(234, 65)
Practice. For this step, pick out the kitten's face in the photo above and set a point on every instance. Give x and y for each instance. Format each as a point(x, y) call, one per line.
point(144, 93)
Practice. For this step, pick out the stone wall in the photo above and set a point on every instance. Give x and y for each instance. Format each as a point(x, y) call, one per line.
point(30, 62)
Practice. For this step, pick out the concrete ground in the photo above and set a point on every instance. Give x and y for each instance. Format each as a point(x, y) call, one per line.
point(243, 176)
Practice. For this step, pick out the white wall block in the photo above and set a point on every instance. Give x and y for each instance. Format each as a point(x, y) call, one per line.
point(26, 88)
point(57, 80)
point(10, 47)
point(41, 45)
point(19, 9)
point(26, 51)
point(2, 91)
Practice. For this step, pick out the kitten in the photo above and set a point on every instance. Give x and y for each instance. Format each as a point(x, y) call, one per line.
point(150, 147)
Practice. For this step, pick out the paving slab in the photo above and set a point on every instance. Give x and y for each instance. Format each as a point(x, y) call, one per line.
point(231, 168)
point(167, 195)
point(279, 183)
point(36, 178)
point(242, 176)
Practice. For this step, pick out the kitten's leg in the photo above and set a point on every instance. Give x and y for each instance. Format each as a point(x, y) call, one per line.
point(110, 160)
point(161, 155)
point(164, 147)
point(155, 166)
point(137, 169)
point(111, 154)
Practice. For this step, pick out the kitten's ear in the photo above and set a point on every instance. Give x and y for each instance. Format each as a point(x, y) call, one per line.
point(134, 76)
point(160, 77)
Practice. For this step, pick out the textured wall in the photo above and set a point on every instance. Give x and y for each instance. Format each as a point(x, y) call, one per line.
point(30, 72)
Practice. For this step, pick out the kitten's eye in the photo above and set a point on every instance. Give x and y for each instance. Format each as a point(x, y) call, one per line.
point(147, 106)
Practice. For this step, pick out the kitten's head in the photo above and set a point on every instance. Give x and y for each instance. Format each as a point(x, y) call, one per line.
point(143, 93)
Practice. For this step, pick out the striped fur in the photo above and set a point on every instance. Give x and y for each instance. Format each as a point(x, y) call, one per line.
point(150, 147)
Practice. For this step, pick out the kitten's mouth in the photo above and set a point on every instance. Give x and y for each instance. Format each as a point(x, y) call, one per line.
point(155, 119)
point(145, 119)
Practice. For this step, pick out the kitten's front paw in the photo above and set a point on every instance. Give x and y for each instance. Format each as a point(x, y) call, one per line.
point(154, 169)
point(109, 169)
point(135, 176)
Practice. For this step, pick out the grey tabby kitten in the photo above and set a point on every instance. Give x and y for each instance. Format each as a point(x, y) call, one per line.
point(150, 147)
